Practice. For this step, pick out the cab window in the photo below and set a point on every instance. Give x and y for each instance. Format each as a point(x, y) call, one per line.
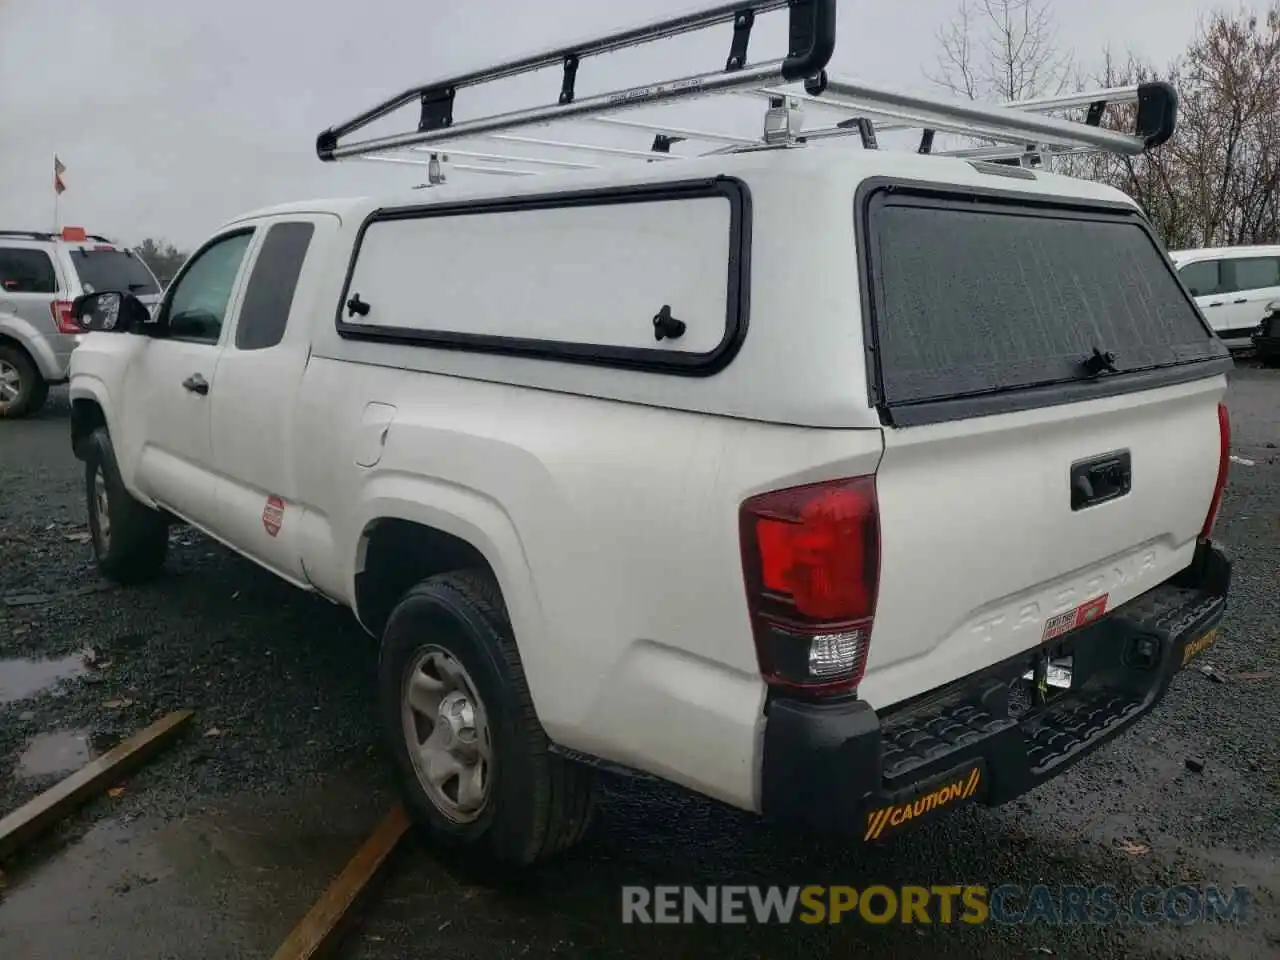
point(198, 304)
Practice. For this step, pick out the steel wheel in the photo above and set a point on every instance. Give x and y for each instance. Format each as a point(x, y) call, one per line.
point(446, 730)
point(102, 512)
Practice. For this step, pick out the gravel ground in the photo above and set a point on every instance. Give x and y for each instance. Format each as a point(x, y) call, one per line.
point(218, 846)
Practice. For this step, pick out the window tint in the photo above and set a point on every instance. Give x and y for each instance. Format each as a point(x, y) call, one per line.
point(1202, 278)
point(1255, 273)
point(24, 270)
point(269, 295)
point(981, 299)
point(119, 270)
point(198, 303)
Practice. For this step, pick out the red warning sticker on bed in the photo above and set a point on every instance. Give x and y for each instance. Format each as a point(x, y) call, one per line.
point(273, 515)
point(1086, 613)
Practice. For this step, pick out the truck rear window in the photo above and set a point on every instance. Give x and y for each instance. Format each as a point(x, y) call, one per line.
point(971, 298)
point(113, 270)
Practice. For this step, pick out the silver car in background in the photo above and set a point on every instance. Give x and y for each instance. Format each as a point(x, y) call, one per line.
point(40, 275)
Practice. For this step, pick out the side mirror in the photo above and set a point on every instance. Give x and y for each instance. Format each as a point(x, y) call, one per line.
point(110, 312)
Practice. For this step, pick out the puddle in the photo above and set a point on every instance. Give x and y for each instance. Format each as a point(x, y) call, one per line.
point(63, 751)
point(20, 679)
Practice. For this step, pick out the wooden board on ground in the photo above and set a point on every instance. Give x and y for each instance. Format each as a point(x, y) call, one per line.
point(316, 934)
point(34, 817)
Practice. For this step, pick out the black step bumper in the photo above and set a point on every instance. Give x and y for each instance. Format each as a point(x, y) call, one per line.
point(991, 736)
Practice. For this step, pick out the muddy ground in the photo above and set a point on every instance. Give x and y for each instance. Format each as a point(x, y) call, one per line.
point(218, 846)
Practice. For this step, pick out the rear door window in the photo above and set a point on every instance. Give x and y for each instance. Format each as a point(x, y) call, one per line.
point(1254, 273)
point(112, 269)
point(26, 270)
point(976, 298)
point(269, 295)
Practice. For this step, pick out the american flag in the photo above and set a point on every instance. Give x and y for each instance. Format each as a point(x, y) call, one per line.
point(58, 171)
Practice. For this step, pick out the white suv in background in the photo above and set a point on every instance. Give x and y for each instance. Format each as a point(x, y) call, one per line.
point(1233, 286)
point(40, 275)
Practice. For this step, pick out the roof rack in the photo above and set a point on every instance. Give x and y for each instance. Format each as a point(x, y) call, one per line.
point(48, 235)
point(1018, 132)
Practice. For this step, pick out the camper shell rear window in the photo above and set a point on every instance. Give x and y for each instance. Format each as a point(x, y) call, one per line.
point(988, 303)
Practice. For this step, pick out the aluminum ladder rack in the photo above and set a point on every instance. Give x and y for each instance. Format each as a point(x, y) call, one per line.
point(1020, 132)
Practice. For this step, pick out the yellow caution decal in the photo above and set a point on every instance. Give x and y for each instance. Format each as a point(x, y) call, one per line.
point(1198, 646)
point(898, 814)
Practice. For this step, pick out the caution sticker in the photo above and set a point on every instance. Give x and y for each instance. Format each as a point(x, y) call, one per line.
point(896, 815)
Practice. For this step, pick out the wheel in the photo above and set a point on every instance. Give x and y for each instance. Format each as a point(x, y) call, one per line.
point(22, 390)
point(130, 540)
point(472, 757)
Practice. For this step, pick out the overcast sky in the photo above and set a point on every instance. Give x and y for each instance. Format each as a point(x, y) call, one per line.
point(173, 117)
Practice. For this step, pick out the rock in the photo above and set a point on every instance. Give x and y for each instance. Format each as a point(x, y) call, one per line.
point(1195, 764)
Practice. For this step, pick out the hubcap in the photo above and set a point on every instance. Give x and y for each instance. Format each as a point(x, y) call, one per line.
point(10, 382)
point(101, 510)
point(447, 732)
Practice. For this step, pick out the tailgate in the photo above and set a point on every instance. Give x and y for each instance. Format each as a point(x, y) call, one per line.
point(1025, 489)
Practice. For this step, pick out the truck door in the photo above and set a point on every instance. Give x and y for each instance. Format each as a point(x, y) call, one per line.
point(1254, 282)
point(167, 390)
point(255, 396)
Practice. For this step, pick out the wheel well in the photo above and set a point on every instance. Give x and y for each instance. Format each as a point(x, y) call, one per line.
point(8, 341)
point(86, 417)
point(399, 553)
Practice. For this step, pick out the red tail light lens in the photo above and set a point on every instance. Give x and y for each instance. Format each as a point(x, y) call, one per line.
point(1224, 461)
point(66, 323)
point(811, 561)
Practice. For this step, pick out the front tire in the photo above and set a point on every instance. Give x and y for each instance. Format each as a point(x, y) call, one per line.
point(473, 759)
point(130, 540)
point(22, 390)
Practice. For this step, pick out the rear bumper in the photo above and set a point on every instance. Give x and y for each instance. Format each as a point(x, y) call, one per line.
point(843, 766)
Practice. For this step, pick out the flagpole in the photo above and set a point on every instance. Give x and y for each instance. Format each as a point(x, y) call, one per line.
point(57, 216)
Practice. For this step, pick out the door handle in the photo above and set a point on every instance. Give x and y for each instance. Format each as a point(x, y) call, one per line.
point(1218, 304)
point(196, 384)
point(1241, 300)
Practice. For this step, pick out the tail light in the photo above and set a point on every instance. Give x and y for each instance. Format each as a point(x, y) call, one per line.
point(63, 318)
point(1224, 460)
point(811, 561)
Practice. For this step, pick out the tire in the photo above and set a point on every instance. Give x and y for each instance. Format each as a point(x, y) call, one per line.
point(131, 546)
point(536, 803)
point(28, 394)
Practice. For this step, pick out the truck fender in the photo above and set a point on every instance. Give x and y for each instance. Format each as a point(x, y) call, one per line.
point(472, 517)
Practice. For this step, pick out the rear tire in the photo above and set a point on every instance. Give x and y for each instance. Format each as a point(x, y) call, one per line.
point(130, 540)
point(456, 707)
point(22, 390)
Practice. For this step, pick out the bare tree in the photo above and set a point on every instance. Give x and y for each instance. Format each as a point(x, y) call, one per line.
point(1001, 50)
point(1217, 181)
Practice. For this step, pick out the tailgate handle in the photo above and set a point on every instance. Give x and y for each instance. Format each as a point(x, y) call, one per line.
point(1100, 479)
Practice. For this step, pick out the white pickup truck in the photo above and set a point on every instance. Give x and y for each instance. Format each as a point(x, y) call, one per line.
point(842, 486)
